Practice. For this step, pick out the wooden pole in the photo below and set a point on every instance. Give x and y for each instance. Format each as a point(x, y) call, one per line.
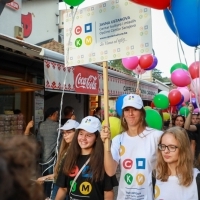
point(106, 107)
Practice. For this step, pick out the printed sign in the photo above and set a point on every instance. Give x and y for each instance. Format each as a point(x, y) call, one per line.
point(107, 31)
point(86, 80)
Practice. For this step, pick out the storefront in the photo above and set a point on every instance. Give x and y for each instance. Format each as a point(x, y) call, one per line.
point(88, 80)
point(21, 77)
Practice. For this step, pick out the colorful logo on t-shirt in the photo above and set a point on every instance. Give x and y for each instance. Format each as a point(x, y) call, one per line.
point(85, 173)
point(74, 171)
point(140, 179)
point(157, 191)
point(127, 163)
point(128, 178)
point(74, 185)
point(85, 188)
point(122, 150)
point(140, 163)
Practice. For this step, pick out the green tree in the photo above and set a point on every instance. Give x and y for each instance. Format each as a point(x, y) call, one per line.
point(119, 66)
point(156, 73)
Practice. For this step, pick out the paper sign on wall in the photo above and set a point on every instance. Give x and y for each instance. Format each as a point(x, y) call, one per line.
point(107, 31)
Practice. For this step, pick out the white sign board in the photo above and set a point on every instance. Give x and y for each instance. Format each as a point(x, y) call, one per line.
point(107, 31)
point(85, 4)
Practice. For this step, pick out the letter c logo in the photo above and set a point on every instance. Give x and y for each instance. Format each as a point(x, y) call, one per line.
point(127, 163)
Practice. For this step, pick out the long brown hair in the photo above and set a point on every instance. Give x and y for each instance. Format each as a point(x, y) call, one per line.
point(184, 168)
point(142, 124)
point(62, 151)
point(96, 163)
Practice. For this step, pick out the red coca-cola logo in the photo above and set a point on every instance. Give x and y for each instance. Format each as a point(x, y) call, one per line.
point(86, 80)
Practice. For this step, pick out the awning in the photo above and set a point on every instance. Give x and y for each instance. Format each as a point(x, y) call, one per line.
point(88, 79)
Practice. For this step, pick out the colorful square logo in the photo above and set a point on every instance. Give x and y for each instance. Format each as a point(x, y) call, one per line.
point(140, 163)
point(88, 27)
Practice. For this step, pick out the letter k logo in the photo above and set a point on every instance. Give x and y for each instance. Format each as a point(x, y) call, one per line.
point(128, 178)
point(78, 42)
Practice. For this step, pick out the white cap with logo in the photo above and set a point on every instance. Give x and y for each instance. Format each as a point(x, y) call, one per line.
point(70, 124)
point(132, 100)
point(90, 124)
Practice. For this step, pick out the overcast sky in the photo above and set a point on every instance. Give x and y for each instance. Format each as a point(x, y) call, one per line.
point(165, 44)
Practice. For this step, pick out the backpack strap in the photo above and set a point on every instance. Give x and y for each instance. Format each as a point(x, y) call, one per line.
point(198, 184)
point(153, 181)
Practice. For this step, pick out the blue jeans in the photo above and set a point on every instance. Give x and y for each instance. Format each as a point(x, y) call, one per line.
point(54, 192)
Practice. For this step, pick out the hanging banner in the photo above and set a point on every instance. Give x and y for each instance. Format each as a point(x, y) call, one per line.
point(88, 81)
point(107, 31)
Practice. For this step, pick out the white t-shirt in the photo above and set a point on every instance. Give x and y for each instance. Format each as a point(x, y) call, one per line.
point(137, 157)
point(171, 190)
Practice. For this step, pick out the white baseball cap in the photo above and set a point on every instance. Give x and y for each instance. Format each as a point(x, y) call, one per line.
point(90, 124)
point(70, 124)
point(132, 100)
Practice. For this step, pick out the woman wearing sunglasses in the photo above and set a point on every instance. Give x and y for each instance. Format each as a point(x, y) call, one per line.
point(175, 176)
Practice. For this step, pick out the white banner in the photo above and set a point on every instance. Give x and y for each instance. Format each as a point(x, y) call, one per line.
point(55, 74)
point(107, 31)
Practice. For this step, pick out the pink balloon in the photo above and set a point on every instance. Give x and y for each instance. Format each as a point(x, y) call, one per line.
point(180, 77)
point(130, 63)
point(196, 110)
point(185, 92)
point(195, 87)
point(139, 71)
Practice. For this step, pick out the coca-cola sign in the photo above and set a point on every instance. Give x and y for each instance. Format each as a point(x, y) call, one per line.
point(86, 80)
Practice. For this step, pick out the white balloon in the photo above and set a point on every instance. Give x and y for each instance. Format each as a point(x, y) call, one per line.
point(164, 93)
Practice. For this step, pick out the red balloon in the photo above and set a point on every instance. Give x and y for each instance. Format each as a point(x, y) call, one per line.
point(174, 97)
point(146, 61)
point(157, 4)
point(194, 69)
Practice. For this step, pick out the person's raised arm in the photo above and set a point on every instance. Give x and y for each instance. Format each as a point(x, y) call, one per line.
point(187, 124)
point(28, 127)
point(110, 164)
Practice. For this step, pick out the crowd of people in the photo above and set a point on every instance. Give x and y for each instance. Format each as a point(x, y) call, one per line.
point(76, 164)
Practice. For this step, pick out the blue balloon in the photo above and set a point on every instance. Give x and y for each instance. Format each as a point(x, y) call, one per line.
point(119, 104)
point(186, 14)
point(194, 103)
point(181, 101)
point(179, 107)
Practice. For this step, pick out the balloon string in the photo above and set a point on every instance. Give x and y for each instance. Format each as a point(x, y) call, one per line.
point(64, 83)
point(178, 38)
point(138, 81)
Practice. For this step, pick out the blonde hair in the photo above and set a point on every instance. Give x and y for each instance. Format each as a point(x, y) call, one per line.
point(184, 168)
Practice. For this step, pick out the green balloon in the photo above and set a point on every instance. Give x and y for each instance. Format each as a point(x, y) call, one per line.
point(147, 107)
point(73, 2)
point(161, 101)
point(178, 66)
point(184, 111)
point(153, 119)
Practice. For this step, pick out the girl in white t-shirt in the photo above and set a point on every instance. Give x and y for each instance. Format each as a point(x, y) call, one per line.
point(175, 175)
point(134, 150)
